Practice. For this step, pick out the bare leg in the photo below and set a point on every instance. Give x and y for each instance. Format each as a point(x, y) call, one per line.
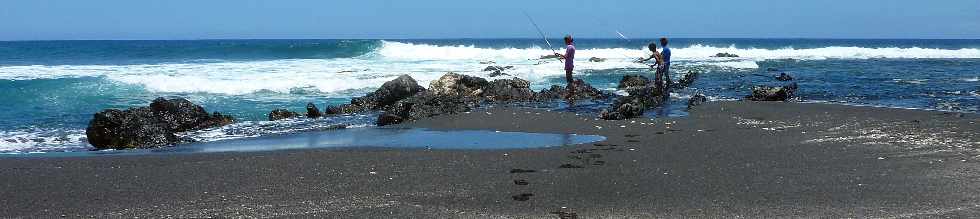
point(570, 88)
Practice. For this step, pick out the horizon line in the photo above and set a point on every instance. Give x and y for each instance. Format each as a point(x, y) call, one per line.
point(487, 38)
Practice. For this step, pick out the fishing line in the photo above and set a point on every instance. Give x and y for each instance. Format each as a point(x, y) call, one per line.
point(542, 35)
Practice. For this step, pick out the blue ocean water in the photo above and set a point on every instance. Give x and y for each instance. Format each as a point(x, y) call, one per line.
point(50, 89)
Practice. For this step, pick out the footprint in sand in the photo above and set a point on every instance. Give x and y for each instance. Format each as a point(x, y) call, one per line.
point(522, 197)
point(521, 171)
point(520, 182)
point(565, 215)
point(571, 166)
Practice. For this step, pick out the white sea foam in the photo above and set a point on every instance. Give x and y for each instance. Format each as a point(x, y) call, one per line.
point(33, 140)
point(424, 63)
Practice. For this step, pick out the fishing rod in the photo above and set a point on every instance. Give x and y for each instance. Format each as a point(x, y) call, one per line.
point(628, 41)
point(542, 35)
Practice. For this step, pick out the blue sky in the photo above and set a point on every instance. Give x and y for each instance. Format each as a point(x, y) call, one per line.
point(212, 19)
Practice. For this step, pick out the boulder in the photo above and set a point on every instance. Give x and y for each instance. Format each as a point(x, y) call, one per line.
point(582, 91)
point(424, 105)
point(505, 90)
point(632, 106)
point(312, 112)
point(633, 81)
point(695, 100)
point(767, 93)
point(725, 55)
point(150, 127)
point(390, 92)
point(278, 114)
point(453, 84)
point(784, 77)
point(596, 59)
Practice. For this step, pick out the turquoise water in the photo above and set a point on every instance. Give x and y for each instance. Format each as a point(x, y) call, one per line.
point(51, 89)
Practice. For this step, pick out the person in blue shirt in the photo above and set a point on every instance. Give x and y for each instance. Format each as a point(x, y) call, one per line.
point(666, 62)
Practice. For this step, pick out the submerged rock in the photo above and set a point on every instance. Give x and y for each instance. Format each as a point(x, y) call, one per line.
point(312, 112)
point(390, 92)
point(767, 93)
point(784, 77)
point(150, 127)
point(687, 80)
point(279, 114)
point(725, 55)
point(496, 71)
point(596, 59)
point(552, 56)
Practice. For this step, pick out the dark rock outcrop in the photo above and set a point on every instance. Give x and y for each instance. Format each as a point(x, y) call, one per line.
point(767, 93)
point(633, 82)
point(582, 91)
point(725, 55)
point(278, 114)
point(312, 112)
point(426, 104)
point(505, 90)
point(784, 77)
point(150, 127)
point(596, 59)
point(390, 92)
point(453, 84)
point(695, 100)
point(455, 93)
point(632, 106)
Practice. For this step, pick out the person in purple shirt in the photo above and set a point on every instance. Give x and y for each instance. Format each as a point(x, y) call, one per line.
point(569, 58)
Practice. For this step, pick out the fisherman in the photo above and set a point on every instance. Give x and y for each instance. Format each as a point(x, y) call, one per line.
point(662, 76)
point(569, 58)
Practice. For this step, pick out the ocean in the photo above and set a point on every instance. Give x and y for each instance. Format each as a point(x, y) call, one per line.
point(50, 89)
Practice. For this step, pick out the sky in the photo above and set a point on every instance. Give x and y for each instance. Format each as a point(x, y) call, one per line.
point(403, 19)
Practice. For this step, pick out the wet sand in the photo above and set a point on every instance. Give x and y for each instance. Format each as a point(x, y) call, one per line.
point(726, 159)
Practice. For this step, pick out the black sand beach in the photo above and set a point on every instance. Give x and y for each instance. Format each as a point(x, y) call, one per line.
point(725, 160)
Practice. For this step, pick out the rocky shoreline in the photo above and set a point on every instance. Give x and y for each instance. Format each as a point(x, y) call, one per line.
point(399, 100)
